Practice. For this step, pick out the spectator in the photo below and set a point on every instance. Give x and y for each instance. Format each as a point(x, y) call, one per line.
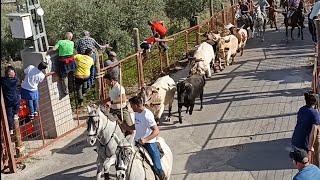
point(82, 74)
point(158, 28)
point(312, 16)
point(146, 45)
point(29, 86)
point(9, 85)
point(301, 161)
point(116, 103)
point(308, 121)
point(113, 72)
point(88, 42)
point(66, 59)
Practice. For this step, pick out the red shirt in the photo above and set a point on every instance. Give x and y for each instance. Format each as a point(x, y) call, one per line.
point(151, 40)
point(159, 28)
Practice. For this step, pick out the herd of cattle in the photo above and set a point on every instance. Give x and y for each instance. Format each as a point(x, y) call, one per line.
point(213, 50)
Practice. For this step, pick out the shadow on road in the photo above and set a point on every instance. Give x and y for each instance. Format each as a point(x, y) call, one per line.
point(258, 156)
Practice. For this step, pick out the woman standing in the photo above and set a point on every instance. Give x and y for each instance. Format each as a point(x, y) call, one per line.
point(29, 86)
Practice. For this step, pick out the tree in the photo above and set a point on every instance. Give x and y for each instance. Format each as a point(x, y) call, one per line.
point(181, 9)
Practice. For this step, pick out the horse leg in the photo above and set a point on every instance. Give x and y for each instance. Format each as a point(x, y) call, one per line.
point(99, 167)
point(292, 28)
point(191, 109)
point(107, 164)
point(170, 108)
point(286, 33)
point(160, 112)
point(201, 99)
point(299, 31)
point(179, 111)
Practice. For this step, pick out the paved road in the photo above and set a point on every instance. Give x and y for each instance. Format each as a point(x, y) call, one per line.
point(243, 132)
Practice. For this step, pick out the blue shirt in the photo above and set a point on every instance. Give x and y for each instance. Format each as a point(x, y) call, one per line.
point(310, 172)
point(307, 117)
point(10, 90)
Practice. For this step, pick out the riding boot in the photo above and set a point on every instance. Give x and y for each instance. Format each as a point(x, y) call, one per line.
point(106, 176)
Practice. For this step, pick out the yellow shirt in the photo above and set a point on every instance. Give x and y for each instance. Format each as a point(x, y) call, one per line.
point(84, 63)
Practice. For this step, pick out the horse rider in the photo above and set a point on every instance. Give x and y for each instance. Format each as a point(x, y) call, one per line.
point(263, 5)
point(146, 133)
point(116, 103)
point(245, 10)
point(294, 6)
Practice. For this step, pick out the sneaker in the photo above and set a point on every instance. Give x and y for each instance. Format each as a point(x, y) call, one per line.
point(35, 114)
point(11, 132)
point(31, 117)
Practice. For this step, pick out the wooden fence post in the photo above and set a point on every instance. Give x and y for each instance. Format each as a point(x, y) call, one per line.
point(198, 39)
point(211, 7)
point(139, 61)
point(223, 16)
point(187, 43)
point(7, 140)
point(98, 80)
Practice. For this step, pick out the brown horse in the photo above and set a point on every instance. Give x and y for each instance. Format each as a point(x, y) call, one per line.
point(272, 14)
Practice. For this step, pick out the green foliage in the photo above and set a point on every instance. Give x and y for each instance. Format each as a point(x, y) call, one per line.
point(10, 48)
point(181, 9)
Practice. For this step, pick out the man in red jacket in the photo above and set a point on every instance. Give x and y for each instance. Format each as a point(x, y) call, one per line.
point(158, 28)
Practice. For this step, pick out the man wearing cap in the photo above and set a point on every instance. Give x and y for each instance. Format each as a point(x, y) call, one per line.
point(301, 161)
point(116, 103)
point(114, 72)
point(88, 42)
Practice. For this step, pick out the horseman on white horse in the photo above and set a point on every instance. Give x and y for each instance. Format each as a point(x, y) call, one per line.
point(146, 134)
point(263, 5)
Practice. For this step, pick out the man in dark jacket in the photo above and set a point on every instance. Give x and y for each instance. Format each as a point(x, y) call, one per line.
point(9, 85)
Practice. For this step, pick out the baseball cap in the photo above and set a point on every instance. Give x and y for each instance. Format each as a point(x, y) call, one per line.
point(299, 155)
point(112, 53)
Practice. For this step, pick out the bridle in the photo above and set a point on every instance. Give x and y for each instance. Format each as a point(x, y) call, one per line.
point(96, 131)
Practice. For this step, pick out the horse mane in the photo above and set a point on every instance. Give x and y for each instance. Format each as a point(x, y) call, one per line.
point(108, 115)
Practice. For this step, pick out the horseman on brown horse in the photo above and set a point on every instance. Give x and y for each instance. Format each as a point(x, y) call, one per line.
point(293, 16)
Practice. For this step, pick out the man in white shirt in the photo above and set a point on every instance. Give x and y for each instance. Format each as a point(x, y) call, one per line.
point(315, 11)
point(115, 102)
point(29, 86)
point(146, 132)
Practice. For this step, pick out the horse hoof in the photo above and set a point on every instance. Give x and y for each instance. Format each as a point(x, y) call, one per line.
point(168, 119)
point(262, 40)
point(180, 121)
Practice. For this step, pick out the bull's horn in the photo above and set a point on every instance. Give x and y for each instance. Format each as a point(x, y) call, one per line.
point(188, 84)
point(242, 26)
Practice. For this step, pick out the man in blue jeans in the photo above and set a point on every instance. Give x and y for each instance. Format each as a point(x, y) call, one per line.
point(301, 161)
point(146, 133)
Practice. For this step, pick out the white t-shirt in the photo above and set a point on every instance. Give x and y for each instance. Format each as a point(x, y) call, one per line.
point(143, 123)
point(114, 94)
point(32, 79)
point(315, 10)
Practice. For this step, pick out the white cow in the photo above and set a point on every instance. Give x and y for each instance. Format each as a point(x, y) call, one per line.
point(203, 60)
point(158, 95)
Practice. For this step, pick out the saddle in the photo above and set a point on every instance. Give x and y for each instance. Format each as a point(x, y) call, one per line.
point(144, 153)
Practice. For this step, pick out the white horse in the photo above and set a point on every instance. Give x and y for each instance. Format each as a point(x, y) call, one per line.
point(106, 129)
point(259, 23)
point(131, 164)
